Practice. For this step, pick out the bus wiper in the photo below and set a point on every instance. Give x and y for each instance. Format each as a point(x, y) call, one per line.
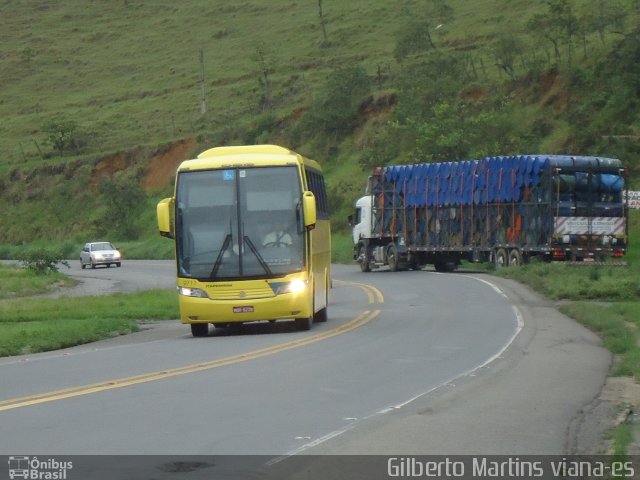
point(253, 248)
point(216, 266)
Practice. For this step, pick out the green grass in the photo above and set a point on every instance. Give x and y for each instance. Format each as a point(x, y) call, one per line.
point(622, 437)
point(617, 324)
point(150, 248)
point(587, 282)
point(342, 248)
point(121, 72)
point(579, 282)
point(36, 325)
point(153, 247)
point(18, 282)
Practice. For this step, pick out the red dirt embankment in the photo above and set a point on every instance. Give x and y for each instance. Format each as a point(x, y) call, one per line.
point(159, 168)
point(162, 167)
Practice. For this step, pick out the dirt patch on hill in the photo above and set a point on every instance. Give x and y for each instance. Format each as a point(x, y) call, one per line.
point(162, 167)
point(159, 165)
point(107, 166)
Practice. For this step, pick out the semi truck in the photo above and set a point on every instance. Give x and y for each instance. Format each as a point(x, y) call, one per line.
point(501, 209)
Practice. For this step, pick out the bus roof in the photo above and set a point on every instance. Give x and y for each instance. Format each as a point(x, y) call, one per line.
point(246, 155)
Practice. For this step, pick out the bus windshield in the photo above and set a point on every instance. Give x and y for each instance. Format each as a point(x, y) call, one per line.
point(239, 223)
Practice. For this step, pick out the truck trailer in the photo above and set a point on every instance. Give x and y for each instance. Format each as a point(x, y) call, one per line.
point(501, 209)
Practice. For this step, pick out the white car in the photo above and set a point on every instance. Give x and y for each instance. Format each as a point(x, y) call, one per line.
point(100, 253)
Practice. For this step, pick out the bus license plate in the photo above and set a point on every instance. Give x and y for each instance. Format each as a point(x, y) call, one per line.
point(242, 309)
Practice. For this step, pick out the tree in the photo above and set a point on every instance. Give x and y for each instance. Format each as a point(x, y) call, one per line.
point(600, 15)
point(562, 15)
point(416, 35)
point(459, 130)
point(541, 24)
point(506, 50)
point(440, 75)
point(336, 108)
point(124, 201)
point(62, 133)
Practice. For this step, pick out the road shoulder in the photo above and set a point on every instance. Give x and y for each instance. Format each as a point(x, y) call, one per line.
point(537, 398)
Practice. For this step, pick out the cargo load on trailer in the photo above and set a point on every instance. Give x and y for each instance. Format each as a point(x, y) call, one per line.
point(500, 209)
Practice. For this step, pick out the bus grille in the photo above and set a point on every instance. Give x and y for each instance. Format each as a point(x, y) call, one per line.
point(241, 294)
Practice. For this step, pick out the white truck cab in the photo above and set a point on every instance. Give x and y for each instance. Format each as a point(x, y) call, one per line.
point(361, 221)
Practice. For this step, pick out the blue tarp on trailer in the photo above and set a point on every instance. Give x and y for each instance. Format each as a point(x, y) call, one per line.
point(499, 178)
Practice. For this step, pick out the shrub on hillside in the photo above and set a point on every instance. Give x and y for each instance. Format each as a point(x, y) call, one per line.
point(124, 202)
point(66, 136)
point(42, 261)
point(336, 109)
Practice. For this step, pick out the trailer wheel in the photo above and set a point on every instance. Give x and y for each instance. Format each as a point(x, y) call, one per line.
point(515, 257)
point(363, 259)
point(500, 258)
point(392, 258)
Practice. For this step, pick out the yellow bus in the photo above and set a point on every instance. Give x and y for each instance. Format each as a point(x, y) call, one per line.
point(252, 237)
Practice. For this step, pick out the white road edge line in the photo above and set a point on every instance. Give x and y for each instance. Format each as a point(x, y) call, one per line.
point(335, 433)
point(309, 445)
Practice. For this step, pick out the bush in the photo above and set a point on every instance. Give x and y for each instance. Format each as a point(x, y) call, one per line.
point(42, 261)
point(335, 111)
point(124, 200)
point(66, 136)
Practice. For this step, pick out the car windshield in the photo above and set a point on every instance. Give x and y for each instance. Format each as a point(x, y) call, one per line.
point(102, 246)
point(239, 223)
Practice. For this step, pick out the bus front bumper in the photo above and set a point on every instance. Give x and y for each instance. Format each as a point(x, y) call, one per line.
point(206, 310)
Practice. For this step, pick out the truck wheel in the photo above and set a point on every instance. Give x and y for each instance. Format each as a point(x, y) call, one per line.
point(500, 258)
point(515, 258)
point(199, 329)
point(443, 266)
point(363, 259)
point(392, 258)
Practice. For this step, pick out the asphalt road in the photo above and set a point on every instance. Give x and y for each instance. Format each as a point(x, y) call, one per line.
point(408, 363)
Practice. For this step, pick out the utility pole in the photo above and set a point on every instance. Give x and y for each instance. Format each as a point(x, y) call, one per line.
point(203, 106)
point(323, 24)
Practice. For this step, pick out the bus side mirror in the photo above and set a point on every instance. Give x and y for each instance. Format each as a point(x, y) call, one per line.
point(309, 207)
point(163, 211)
point(350, 220)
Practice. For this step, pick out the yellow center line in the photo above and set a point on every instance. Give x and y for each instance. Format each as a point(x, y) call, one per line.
point(375, 295)
point(20, 402)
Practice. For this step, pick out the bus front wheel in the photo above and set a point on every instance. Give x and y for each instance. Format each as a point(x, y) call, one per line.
point(199, 329)
point(304, 324)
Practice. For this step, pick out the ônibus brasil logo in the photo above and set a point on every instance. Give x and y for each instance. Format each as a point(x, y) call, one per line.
point(32, 468)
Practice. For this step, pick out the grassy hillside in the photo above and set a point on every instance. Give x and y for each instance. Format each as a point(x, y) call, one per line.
point(94, 92)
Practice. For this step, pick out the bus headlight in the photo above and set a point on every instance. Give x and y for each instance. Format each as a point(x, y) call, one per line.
point(294, 286)
point(192, 292)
